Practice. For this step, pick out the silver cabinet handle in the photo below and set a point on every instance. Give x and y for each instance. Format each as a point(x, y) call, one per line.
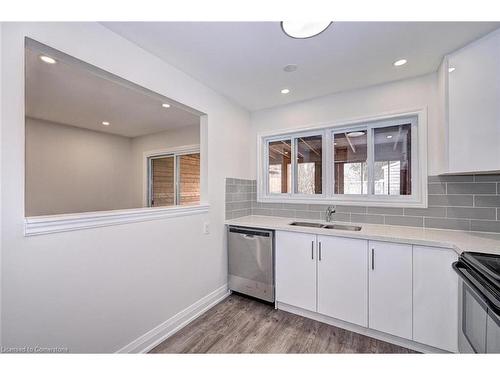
point(373, 259)
point(320, 250)
point(312, 249)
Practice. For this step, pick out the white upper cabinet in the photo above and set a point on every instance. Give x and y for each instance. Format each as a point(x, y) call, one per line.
point(390, 288)
point(296, 269)
point(435, 297)
point(343, 279)
point(473, 110)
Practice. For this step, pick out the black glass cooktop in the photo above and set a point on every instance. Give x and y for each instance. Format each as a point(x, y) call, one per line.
point(488, 265)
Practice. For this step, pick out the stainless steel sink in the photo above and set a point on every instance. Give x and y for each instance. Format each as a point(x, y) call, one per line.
point(306, 224)
point(354, 228)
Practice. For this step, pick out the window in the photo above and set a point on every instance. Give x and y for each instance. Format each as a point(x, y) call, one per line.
point(173, 179)
point(374, 162)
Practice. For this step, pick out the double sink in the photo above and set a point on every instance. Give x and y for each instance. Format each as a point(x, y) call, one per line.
point(354, 228)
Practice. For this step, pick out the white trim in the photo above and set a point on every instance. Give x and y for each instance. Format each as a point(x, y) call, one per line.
point(36, 225)
point(173, 151)
point(160, 333)
point(409, 344)
point(418, 198)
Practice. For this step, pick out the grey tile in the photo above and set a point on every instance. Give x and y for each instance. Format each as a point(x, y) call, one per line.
point(458, 224)
point(471, 188)
point(450, 200)
point(471, 213)
point(238, 205)
point(231, 188)
point(295, 206)
point(283, 213)
point(272, 205)
point(313, 215)
point(229, 197)
point(487, 178)
point(436, 188)
point(429, 212)
point(352, 209)
point(229, 181)
point(451, 178)
point(408, 221)
point(487, 201)
point(485, 226)
point(318, 207)
point(372, 219)
point(262, 211)
point(385, 210)
point(241, 213)
point(229, 215)
point(339, 216)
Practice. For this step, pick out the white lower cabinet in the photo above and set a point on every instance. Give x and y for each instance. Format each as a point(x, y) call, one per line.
point(343, 279)
point(399, 289)
point(296, 269)
point(390, 288)
point(435, 297)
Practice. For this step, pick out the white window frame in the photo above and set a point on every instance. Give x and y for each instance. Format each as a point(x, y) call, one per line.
point(418, 120)
point(167, 152)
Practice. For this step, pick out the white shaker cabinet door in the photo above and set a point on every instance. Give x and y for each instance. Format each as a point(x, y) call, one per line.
point(343, 279)
point(390, 288)
point(435, 297)
point(296, 269)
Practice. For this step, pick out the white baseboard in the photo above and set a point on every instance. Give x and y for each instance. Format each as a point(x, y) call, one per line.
point(166, 329)
point(409, 344)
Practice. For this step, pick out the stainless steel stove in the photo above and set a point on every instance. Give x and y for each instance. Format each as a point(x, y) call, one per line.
point(479, 299)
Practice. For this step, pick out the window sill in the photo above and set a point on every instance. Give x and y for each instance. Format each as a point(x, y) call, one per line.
point(347, 201)
point(38, 225)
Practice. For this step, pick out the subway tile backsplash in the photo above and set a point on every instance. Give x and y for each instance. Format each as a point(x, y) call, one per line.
point(462, 202)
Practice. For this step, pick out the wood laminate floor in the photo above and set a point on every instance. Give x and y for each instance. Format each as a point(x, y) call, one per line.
point(243, 325)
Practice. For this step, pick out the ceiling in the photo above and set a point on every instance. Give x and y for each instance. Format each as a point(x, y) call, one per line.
point(78, 95)
point(244, 60)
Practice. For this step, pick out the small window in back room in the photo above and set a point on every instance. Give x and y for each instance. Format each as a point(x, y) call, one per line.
point(280, 171)
point(350, 157)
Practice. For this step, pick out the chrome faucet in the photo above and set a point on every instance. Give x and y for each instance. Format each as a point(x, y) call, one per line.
point(329, 213)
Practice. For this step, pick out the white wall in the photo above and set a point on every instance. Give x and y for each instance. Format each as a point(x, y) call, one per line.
point(398, 96)
point(184, 136)
point(70, 169)
point(96, 290)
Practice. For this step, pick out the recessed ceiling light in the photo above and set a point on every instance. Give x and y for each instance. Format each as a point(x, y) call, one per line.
point(389, 136)
point(47, 59)
point(302, 30)
point(165, 105)
point(355, 134)
point(290, 68)
point(105, 123)
point(451, 69)
point(285, 91)
point(400, 62)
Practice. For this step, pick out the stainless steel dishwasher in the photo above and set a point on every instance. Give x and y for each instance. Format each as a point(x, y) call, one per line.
point(251, 262)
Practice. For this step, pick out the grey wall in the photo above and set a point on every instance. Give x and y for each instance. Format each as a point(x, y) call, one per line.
point(467, 203)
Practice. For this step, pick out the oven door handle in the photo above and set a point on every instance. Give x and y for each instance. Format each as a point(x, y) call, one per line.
point(485, 300)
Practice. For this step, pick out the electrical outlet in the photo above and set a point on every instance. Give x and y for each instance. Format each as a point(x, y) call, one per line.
point(206, 228)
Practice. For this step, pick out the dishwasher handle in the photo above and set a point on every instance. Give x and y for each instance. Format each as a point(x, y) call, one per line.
point(250, 233)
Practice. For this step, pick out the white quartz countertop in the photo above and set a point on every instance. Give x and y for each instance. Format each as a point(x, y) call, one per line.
point(457, 240)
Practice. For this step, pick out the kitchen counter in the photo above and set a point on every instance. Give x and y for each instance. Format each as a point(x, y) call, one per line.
point(457, 240)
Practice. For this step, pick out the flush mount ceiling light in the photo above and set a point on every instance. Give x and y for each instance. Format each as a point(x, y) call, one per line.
point(165, 105)
point(303, 30)
point(389, 136)
point(285, 91)
point(400, 62)
point(451, 69)
point(47, 59)
point(105, 123)
point(355, 134)
point(290, 68)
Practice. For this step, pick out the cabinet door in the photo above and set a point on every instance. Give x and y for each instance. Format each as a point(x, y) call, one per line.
point(493, 333)
point(435, 298)
point(390, 288)
point(296, 269)
point(343, 279)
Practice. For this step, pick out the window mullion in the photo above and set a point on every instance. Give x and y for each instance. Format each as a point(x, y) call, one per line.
point(370, 160)
point(293, 166)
